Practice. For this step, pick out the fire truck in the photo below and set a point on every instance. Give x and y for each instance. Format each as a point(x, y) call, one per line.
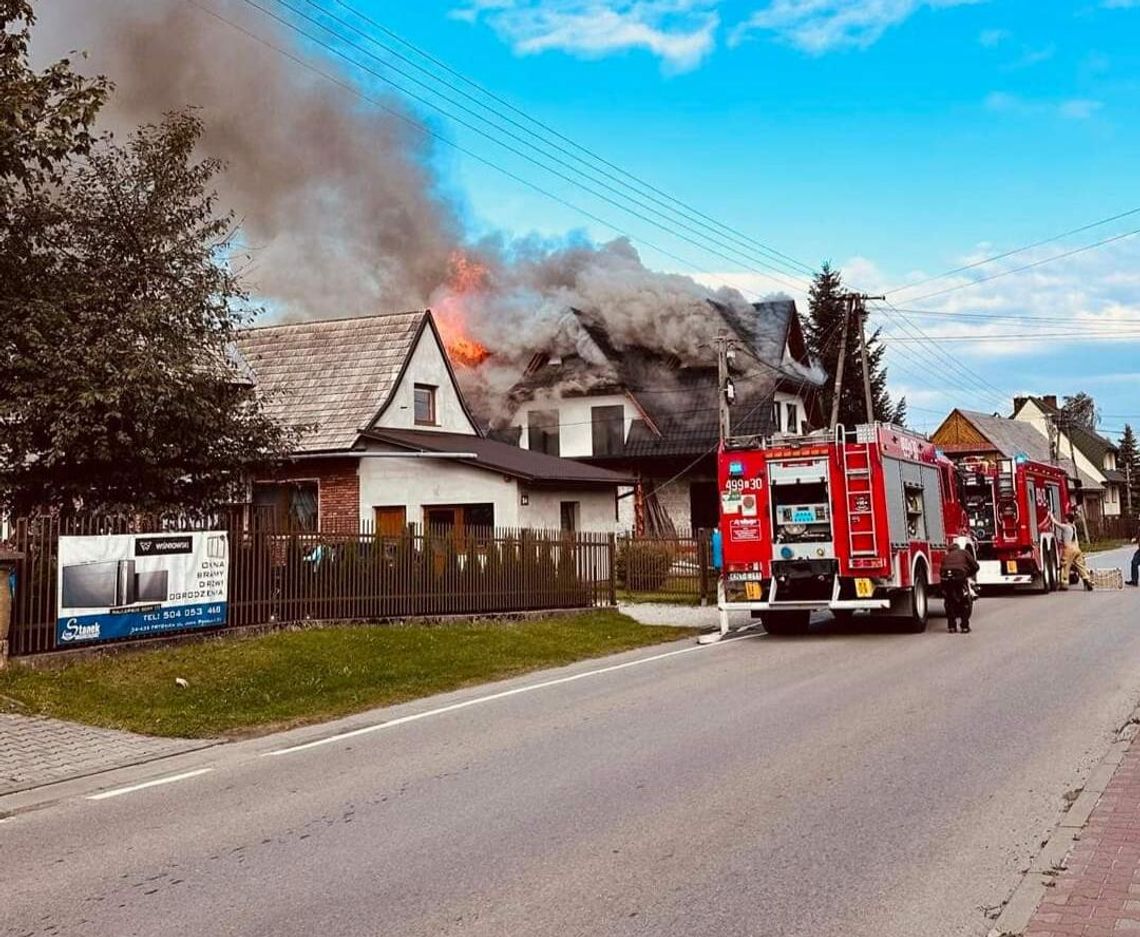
point(1008, 503)
point(844, 520)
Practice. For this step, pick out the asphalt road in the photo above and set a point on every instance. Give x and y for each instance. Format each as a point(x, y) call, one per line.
point(846, 783)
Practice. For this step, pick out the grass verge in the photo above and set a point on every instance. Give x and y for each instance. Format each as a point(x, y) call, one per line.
point(241, 686)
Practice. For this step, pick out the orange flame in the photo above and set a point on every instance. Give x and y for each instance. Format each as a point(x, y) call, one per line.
point(467, 277)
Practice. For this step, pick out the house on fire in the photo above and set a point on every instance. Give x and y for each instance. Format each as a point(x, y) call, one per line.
point(649, 415)
point(389, 439)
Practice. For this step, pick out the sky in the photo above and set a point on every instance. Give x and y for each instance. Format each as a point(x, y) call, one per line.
point(896, 139)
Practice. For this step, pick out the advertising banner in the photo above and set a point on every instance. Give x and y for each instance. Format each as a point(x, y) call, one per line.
point(134, 585)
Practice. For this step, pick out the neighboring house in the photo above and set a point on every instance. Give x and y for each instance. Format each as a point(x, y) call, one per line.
point(966, 433)
point(649, 415)
point(1095, 456)
point(389, 440)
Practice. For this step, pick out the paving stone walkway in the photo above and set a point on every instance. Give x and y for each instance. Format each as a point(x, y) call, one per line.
point(1098, 893)
point(35, 751)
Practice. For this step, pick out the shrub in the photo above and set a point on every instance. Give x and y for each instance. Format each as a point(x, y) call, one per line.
point(643, 566)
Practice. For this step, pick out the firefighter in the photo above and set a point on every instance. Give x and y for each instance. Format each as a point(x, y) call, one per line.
point(958, 568)
point(1071, 555)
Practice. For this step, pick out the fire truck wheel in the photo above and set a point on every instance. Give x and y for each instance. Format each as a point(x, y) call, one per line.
point(919, 604)
point(782, 623)
point(1048, 572)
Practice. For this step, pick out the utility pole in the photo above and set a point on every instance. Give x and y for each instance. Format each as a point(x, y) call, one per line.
point(726, 390)
point(1128, 485)
point(860, 303)
point(854, 304)
point(839, 367)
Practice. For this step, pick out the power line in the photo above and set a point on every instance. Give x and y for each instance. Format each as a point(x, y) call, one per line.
point(426, 131)
point(638, 212)
point(648, 189)
point(1013, 317)
point(1022, 269)
point(1019, 250)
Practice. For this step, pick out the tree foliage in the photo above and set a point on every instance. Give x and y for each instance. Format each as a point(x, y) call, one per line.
point(1081, 410)
point(46, 118)
point(1129, 463)
point(826, 310)
point(120, 308)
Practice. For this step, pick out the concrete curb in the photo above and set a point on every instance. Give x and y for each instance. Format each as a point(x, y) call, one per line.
point(117, 766)
point(1019, 909)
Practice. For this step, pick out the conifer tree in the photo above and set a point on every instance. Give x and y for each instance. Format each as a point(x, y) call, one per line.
point(826, 309)
point(1129, 464)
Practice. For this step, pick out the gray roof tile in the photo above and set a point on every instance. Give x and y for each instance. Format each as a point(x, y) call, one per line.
point(333, 374)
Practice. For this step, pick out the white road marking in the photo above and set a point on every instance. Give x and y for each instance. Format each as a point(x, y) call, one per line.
point(494, 696)
point(155, 783)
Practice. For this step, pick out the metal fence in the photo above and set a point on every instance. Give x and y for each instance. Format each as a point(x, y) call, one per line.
point(666, 569)
point(283, 576)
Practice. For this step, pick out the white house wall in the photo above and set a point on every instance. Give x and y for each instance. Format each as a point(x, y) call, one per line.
point(427, 366)
point(595, 510)
point(418, 483)
point(575, 421)
point(1033, 415)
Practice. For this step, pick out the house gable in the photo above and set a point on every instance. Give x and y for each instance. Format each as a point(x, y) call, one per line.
point(957, 433)
point(426, 365)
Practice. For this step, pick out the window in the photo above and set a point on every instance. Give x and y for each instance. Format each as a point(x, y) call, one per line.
point(459, 518)
point(777, 412)
point(792, 423)
point(425, 405)
point(286, 505)
point(608, 430)
point(570, 511)
point(542, 432)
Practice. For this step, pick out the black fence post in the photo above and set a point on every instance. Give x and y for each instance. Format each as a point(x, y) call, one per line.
point(703, 565)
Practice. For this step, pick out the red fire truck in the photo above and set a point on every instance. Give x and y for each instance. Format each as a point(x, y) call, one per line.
point(856, 519)
point(1008, 503)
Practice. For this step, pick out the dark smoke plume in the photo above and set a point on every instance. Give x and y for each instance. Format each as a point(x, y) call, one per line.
point(339, 202)
point(336, 198)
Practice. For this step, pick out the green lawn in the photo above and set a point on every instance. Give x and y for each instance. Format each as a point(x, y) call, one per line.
point(247, 685)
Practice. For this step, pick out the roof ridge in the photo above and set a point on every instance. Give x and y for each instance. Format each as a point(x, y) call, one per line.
point(365, 318)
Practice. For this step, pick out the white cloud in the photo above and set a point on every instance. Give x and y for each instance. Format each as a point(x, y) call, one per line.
point(679, 32)
point(1001, 102)
point(818, 26)
point(990, 38)
point(1080, 108)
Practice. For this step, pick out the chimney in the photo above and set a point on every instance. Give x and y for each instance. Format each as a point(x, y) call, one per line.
point(1019, 402)
point(1051, 401)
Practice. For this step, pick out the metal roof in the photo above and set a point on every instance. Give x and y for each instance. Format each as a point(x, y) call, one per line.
point(495, 456)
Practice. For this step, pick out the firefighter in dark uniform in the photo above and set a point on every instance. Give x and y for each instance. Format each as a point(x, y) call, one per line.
point(958, 568)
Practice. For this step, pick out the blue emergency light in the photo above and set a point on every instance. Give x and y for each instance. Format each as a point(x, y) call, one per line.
point(735, 468)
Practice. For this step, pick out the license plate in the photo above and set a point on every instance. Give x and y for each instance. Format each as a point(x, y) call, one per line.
point(754, 590)
point(864, 588)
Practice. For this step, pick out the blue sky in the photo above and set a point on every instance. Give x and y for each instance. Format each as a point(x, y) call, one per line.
point(896, 138)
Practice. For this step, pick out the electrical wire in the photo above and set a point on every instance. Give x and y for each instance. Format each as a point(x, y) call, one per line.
point(742, 238)
point(491, 137)
point(551, 136)
point(1019, 250)
point(458, 147)
point(1035, 264)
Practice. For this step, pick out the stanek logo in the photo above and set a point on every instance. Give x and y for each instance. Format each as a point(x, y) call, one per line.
point(74, 631)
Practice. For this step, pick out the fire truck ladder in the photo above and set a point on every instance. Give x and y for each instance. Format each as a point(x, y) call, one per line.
point(862, 531)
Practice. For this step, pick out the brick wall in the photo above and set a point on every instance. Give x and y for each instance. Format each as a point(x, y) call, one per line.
point(338, 481)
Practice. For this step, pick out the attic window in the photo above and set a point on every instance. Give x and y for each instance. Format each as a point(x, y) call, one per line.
point(425, 405)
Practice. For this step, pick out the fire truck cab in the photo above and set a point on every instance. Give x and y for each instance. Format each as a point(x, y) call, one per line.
point(853, 519)
point(1008, 503)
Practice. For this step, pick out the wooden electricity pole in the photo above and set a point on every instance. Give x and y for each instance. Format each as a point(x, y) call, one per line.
point(722, 385)
point(854, 304)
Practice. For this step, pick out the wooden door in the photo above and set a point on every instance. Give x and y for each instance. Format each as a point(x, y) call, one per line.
point(390, 521)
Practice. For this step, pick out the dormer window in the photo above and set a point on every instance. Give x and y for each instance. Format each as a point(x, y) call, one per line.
point(425, 405)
